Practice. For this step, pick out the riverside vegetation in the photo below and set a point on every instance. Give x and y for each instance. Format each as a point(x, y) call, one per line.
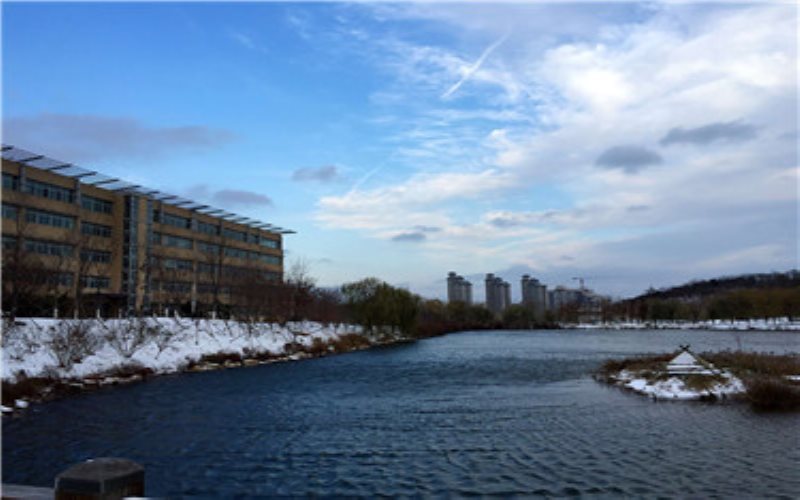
point(357, 315)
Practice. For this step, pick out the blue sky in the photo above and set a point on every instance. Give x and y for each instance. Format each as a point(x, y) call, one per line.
point(634, 144)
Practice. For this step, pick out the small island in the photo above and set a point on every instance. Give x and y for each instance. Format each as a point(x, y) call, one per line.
point(766, 381)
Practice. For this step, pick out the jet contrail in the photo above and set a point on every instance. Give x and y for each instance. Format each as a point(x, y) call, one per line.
point(475, 66)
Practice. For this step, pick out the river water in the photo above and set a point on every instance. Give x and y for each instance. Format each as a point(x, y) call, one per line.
point(486, 413)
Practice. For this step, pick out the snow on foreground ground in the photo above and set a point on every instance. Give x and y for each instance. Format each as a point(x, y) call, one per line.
point(675, 387)
point(79, 348)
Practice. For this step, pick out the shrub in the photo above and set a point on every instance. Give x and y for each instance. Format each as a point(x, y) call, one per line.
point(766, 393)
point(318, 347)
point(128, 337)
point(70, 342)
point(350, 342)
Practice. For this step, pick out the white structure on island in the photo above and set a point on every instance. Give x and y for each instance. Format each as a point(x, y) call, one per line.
point(686, 363)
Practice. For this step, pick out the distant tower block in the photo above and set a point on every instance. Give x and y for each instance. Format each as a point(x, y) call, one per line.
point(498, 294)
point(534, 294)
point(458, 289)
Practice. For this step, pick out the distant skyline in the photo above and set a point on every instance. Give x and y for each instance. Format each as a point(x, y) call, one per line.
point(635, 144)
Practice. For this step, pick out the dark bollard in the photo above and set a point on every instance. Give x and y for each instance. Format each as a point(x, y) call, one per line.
point(101, 478)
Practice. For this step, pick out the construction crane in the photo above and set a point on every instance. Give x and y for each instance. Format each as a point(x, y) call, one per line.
point(581, 280)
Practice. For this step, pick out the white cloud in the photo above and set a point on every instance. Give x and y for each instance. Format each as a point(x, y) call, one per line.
point(548, 113)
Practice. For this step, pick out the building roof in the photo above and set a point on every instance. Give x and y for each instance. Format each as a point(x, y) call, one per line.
point(687, 363)
point(94, 178)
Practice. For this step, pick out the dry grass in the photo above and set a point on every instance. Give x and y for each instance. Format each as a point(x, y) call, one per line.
point(350, 342)
point(754, 363)
point(650, 363)
point(772, 394)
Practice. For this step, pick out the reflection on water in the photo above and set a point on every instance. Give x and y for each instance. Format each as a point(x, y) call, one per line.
point(496, 413)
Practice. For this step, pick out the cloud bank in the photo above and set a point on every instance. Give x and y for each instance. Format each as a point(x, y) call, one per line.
point(88, 138)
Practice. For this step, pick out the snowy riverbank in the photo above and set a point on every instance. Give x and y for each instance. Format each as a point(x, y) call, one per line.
point(770, 324)
point(99, 352)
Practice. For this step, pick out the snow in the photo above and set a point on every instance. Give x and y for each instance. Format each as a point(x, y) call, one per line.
point(769, 324)
point(675, 388)
point(170, 345)
point(21, 403)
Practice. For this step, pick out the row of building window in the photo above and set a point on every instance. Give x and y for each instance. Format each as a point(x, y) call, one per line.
point(51, 191)
point(212, 229)
point(54, 219)
point(92, 229)
point(58, 193)
point(96, 256)
point(95, 281)
point(99, 205)
point(169, 240)
point(96, 204)
point(48, 248)
point(49, 218)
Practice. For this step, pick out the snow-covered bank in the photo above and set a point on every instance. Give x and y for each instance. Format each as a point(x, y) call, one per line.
point(95, 352)
point(724, 386)
point(769, 324)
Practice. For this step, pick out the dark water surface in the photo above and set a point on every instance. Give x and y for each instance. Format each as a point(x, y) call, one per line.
point(493, 413)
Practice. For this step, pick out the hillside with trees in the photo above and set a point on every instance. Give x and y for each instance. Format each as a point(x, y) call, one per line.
point(769, 295)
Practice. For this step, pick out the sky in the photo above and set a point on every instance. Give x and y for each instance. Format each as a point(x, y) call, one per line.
point(632, 144)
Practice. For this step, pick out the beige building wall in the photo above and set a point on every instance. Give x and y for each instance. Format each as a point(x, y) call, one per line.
point(148, 282)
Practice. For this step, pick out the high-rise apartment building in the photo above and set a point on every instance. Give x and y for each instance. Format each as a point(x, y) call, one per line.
point(498, 294)
point(73, 236)
point(534, 295)
point(458, 289)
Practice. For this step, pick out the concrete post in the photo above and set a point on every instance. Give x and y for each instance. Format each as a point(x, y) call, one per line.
point(101, 479)
point(55, 312)
point(97, 313)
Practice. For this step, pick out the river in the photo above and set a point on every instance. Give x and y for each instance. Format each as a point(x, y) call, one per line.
point(486, 413)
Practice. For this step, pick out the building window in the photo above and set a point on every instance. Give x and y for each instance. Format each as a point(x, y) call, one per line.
point(96, 204)
point(9, 242)
point(49, 218)
point(10, 182)
point(234, 235)
point(51, 191)
point(207, 247)
point(61, 279)
point(265, 242)
point(96, 256)
point(235, 252)
point(48, 248)
point(169, 240)
point(267, 259)
point(206, 228)
point(10, 212)
point(95, 281)
point(177, 264)
point(175, 220)
point(176, 287)
point(205, 268)
point(91, 229)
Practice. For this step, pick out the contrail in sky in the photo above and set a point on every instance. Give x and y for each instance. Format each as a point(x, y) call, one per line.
point(475, 66)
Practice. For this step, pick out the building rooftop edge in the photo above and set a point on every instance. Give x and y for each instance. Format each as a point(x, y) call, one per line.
point(85, 176)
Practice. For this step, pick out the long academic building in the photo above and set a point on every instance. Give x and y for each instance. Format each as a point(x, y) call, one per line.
point(74, 238)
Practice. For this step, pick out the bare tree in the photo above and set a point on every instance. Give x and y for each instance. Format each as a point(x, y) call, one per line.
point(24, 273)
